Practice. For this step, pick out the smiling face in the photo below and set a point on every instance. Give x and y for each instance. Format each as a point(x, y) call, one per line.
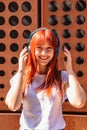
point(43, 50)
point(44, 54)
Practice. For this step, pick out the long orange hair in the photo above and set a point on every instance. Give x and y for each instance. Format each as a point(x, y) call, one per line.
point(52, 74)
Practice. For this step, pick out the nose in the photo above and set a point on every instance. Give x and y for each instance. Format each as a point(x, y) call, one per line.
point(44, 51)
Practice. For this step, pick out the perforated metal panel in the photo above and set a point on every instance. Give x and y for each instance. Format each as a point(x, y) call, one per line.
point(69, 19)
point(17, 20)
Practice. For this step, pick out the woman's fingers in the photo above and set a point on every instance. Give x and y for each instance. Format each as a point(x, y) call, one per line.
point(23, 59)
point(67, 53)
point(24, 54)
point(67, 59)
point(24, 51)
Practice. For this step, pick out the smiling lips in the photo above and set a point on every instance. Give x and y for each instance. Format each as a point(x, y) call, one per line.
point(43, 58)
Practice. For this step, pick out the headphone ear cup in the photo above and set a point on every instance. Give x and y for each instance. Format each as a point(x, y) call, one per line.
point(29, 45)
point(58, 45)
point(29, 49)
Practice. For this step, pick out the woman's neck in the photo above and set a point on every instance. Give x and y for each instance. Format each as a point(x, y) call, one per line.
point(42, 69)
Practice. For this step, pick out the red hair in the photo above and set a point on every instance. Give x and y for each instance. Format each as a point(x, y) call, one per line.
point(53, 73)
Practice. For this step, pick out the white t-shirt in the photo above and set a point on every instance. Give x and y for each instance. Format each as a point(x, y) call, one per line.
point(41, 112)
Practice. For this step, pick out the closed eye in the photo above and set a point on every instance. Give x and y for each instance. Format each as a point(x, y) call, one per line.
point(39, 48)
point(49, 49)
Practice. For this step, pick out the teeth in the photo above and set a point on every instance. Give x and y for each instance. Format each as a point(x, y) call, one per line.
point(43, 58)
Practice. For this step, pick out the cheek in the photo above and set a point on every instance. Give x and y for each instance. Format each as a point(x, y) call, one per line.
point(52, 54)
point(36, 54)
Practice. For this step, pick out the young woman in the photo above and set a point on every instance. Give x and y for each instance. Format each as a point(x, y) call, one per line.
point(41, 87)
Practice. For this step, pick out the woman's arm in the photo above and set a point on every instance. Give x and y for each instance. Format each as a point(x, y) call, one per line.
point(75, 92)
point(14, 95)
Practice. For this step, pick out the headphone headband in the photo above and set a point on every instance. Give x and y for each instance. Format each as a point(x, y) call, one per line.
point(53, 31)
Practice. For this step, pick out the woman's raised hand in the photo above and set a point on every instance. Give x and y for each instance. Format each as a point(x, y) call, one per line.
point(68, 61)
point(23, 59)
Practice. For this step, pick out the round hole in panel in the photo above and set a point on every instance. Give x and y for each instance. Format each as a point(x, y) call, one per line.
point(13, 72)
point(14, 47)
point(66, 100)
point(13, 34)
point(53, 6)
point(25, 45)
point(2, 6)
point(67, 45)
point(26, 6)
point(80, 19)
point(26, 20)
point(13, 6)
point(67, 5)
point(80, 5)
point(79, 73)
point(2, 60)
point(79, 60)
point(14, 60)
point(65, 58)
point(80, 46)
point(1, 98)
point(66, 19)
point(2, 47)
point(2, 86)
point(2, 34)
point(53, 20)
point(66, 33)
point(2, 72)
point(13, 20)
point(2, 20)
point(80, 33)
point(26, 34)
